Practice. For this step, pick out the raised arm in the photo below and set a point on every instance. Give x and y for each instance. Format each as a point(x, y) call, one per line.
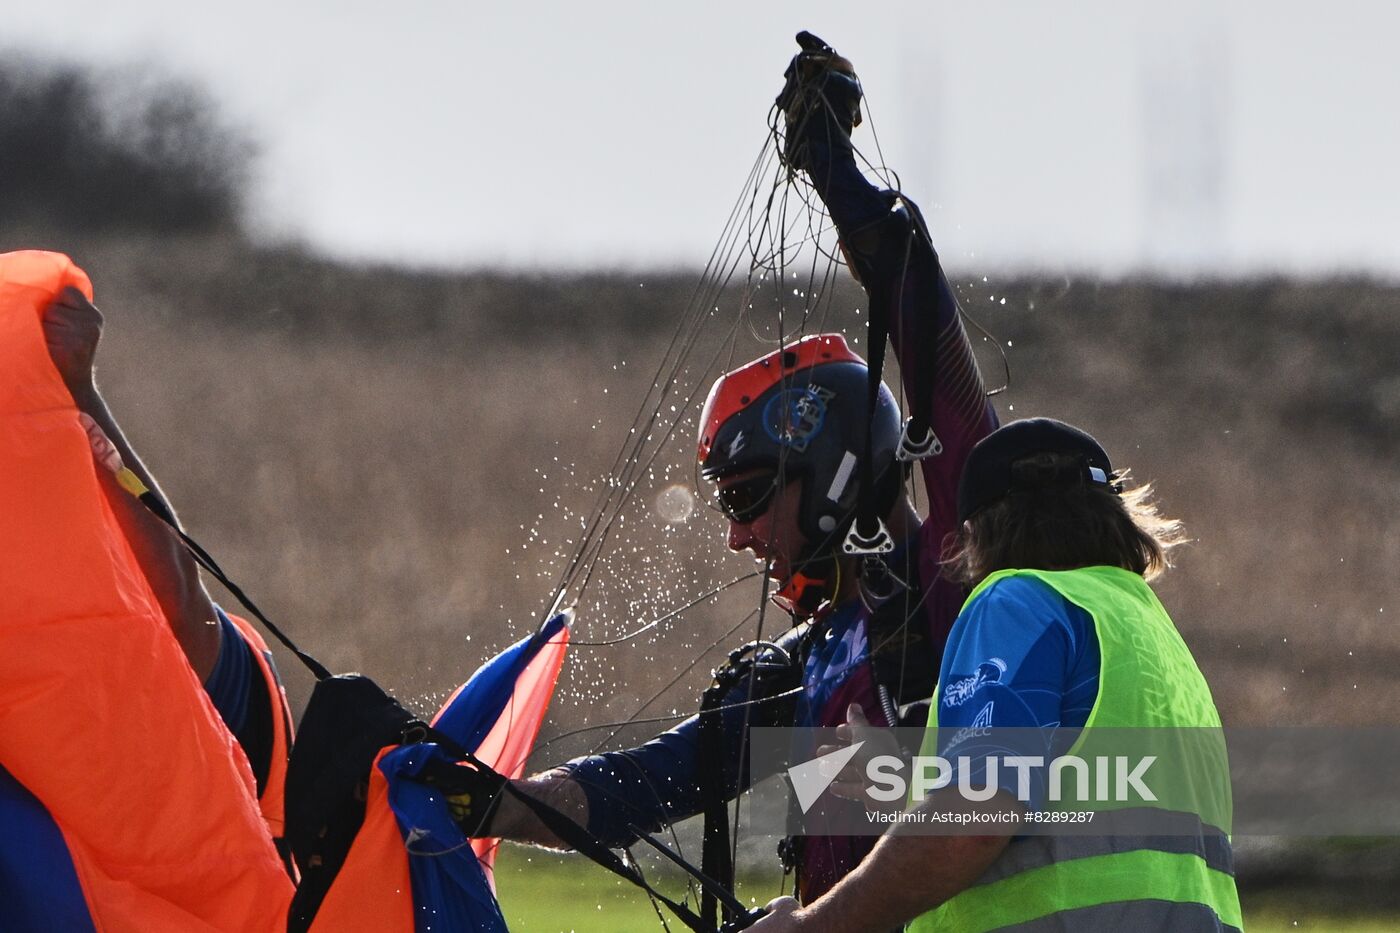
point(890, 252)
point(230, 660)
point(73, 328)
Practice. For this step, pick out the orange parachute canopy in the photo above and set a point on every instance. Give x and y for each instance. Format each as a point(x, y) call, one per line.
point(101, 716)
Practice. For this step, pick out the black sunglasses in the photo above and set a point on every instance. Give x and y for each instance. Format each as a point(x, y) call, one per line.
point(746, 500)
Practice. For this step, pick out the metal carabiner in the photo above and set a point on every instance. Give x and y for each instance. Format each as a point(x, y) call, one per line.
point(910, 450)
point(858, 545)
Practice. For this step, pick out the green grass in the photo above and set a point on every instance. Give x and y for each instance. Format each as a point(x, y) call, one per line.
point(545, 893)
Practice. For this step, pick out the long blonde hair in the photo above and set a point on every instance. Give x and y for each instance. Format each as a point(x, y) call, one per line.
point(1047, 524)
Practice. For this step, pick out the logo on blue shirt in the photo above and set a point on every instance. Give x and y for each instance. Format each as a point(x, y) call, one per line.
point(960, 691)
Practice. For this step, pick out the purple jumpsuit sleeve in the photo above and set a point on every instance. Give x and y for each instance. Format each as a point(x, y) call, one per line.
point(891, 253)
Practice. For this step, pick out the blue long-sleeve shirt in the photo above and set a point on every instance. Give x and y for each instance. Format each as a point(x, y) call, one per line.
point(1020, 671)
point(239, 693)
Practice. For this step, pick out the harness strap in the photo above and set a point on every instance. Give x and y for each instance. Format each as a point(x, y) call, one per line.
point(715, 856)
point(579, 839)
point(867, 521)
point(918, 440)
point(774, 667)
point(130, 482)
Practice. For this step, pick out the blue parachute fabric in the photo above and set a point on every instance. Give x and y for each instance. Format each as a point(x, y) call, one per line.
point(39, 887)
point(470, 715)
point(450, 889)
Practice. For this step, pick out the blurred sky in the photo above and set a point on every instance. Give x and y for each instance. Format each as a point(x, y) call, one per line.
point(1183, 137)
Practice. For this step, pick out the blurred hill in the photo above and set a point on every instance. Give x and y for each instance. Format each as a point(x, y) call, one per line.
point(371, 449)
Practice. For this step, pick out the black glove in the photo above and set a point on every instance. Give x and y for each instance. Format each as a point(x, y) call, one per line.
point(820, 100)
point(473, 792)
point(744, 921)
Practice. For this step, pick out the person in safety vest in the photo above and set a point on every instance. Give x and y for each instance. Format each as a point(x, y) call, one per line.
point(1061, 634)
point(45, 882)
point(784, 440)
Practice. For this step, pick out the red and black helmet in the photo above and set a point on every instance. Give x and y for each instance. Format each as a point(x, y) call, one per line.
point(801, 412)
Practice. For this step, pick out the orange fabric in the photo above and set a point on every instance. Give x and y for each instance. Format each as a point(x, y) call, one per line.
point(101, 716)
point(271, 801)
point(373, 889)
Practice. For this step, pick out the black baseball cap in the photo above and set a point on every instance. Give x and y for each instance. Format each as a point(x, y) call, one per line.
point(987, 475)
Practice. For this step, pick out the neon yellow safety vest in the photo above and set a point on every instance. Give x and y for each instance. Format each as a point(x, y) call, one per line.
point(1178, 882)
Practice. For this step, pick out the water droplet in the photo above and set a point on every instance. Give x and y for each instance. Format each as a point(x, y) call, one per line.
point(675, 503)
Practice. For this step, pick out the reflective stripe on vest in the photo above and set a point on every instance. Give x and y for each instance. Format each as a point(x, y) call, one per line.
point(1137, 916)
point(1159, 882)
point(1030, 852)
point(1156, 880)
point(1122, 916)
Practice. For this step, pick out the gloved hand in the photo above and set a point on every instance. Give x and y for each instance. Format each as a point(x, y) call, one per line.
point(746, 921)
point(473, 793)
point(820, 100)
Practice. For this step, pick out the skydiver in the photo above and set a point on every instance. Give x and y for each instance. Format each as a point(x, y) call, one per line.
point(782, 439)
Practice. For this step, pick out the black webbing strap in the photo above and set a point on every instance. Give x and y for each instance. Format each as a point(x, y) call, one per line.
point(923, 379)
point(885, 280)
point(877, 333)
point(715, 855)
point(160, 510)
point(579, 839)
